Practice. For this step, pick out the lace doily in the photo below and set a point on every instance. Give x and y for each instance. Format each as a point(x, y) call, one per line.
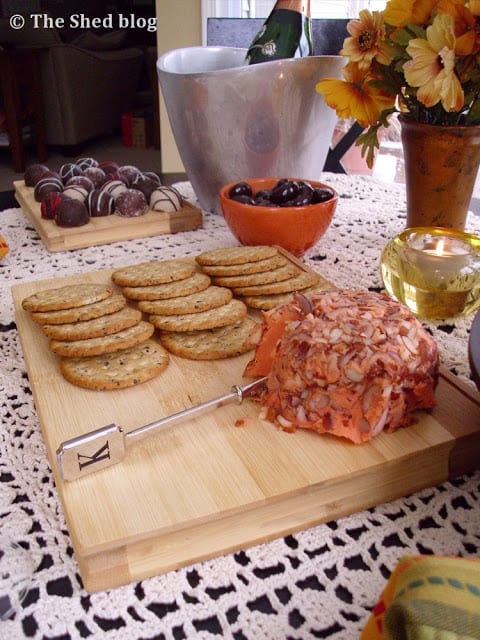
point(318, 583)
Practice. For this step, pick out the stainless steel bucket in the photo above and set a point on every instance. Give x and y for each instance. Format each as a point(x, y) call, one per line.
point(231, 121)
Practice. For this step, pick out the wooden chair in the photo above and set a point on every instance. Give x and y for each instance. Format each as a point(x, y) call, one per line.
point(328, 35)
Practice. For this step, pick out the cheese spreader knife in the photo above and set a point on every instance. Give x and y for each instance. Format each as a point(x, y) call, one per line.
point(107, 445)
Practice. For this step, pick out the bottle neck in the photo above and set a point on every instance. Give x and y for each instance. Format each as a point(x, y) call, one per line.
point(302, 6)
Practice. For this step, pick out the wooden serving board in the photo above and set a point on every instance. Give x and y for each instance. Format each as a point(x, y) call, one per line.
point(105, 229)
point(208, 487)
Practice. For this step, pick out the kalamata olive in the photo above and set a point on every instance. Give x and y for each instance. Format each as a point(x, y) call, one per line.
point(303, 198)
point(263, 193)
point(321, 194)
point(264, 202)
point(240, 189)
point(286, 191)
point(244, 199)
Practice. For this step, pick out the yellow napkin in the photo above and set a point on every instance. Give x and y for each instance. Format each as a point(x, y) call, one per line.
point(428, 598)
point(3, 247)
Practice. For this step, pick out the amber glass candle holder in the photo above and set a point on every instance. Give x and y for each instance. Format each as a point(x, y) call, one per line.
point(434, 271)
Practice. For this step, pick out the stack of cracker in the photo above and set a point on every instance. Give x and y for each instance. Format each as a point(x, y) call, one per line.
point(259, 276)
point(102, 342)
point(194, 319)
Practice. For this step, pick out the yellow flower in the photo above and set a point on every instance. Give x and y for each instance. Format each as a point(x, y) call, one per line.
point(367, 39)
point(356, 96)
point(432, 68)
point(399, 13)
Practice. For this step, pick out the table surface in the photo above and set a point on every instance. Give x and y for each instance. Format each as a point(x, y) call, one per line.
point(321, 582)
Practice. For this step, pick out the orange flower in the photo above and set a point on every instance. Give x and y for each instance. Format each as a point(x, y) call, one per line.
point(466, 28)
point(356, 96)
point(367, 39)
point(399, 13)
point(432, 67)
point(420, 58)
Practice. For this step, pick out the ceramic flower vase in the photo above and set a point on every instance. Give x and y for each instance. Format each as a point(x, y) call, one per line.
point(441, 165)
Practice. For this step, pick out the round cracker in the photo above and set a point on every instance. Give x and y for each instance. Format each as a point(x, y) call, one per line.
point(245, 267)
point(209, 298)
point(227, 314)
point(264, 277)
point(267, 302)
point(105, 344)
point(103, 326)
point(303, 280)
point(154, 272)
point(118, 370)
point(196, 282)
point(111, 304)
point(236, 255)
point(212, 344)
point(71, 295)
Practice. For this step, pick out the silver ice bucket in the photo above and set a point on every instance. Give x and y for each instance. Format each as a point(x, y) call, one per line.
point(232, 121)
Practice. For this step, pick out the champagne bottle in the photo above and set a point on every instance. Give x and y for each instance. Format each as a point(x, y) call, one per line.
point(286, 33)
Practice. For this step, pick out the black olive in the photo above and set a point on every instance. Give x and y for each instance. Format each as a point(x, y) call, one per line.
point(263, 202)
point(240, 189)
point(304, 197)
point(244, 199)
point(264, 194)
point(286, 191)
point(321, 194)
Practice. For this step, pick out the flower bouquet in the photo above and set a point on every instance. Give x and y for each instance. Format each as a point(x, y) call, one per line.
point(419, 58)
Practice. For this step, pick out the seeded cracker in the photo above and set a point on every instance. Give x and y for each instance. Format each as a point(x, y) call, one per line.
point(209, 298)
point(212, 318)
point(118, 370)
point(105, 325)
point(80, 314)
point(236, 255)
point(151, 273)
point(212, 344)
point(302, 281)
point(72, 295)
point(105, 344)
point(264, 277)
point(196, 282)
point(246, 267)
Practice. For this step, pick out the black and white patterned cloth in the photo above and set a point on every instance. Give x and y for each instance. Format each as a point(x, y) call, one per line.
point(319, 583)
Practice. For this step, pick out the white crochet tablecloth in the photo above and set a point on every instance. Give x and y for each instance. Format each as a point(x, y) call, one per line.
point(319, 583)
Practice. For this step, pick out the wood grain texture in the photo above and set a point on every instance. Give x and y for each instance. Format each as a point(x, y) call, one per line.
point(105, 229)
point(208, 487)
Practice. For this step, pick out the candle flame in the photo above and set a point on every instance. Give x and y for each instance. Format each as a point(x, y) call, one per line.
point(440, 246)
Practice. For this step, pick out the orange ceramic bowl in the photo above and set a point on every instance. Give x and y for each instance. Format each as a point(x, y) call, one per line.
point(296, 229)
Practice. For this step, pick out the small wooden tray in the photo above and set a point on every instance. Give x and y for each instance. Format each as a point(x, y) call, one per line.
point(208, 487)
point(105, 229)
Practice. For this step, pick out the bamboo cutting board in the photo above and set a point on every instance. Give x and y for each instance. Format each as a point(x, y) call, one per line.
point(105, 229)
point(208, 487)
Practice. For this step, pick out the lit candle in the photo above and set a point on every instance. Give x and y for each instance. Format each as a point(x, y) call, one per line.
point(434, 271)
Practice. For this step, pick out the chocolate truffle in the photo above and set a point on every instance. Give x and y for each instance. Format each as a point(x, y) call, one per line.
point(85, 163)
point(144, 184)
point(81, 181)
point(153, 176)
point(100, 203)
point(48, 183)
point(166, 199)
point(48, 207)
point(71, 213)
point(76, 192)
point(129, 172)
point(96, 175)
point(108, 166)
point(131, 203)
point(114, 188)
point(69, 170)
point(33, 173)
